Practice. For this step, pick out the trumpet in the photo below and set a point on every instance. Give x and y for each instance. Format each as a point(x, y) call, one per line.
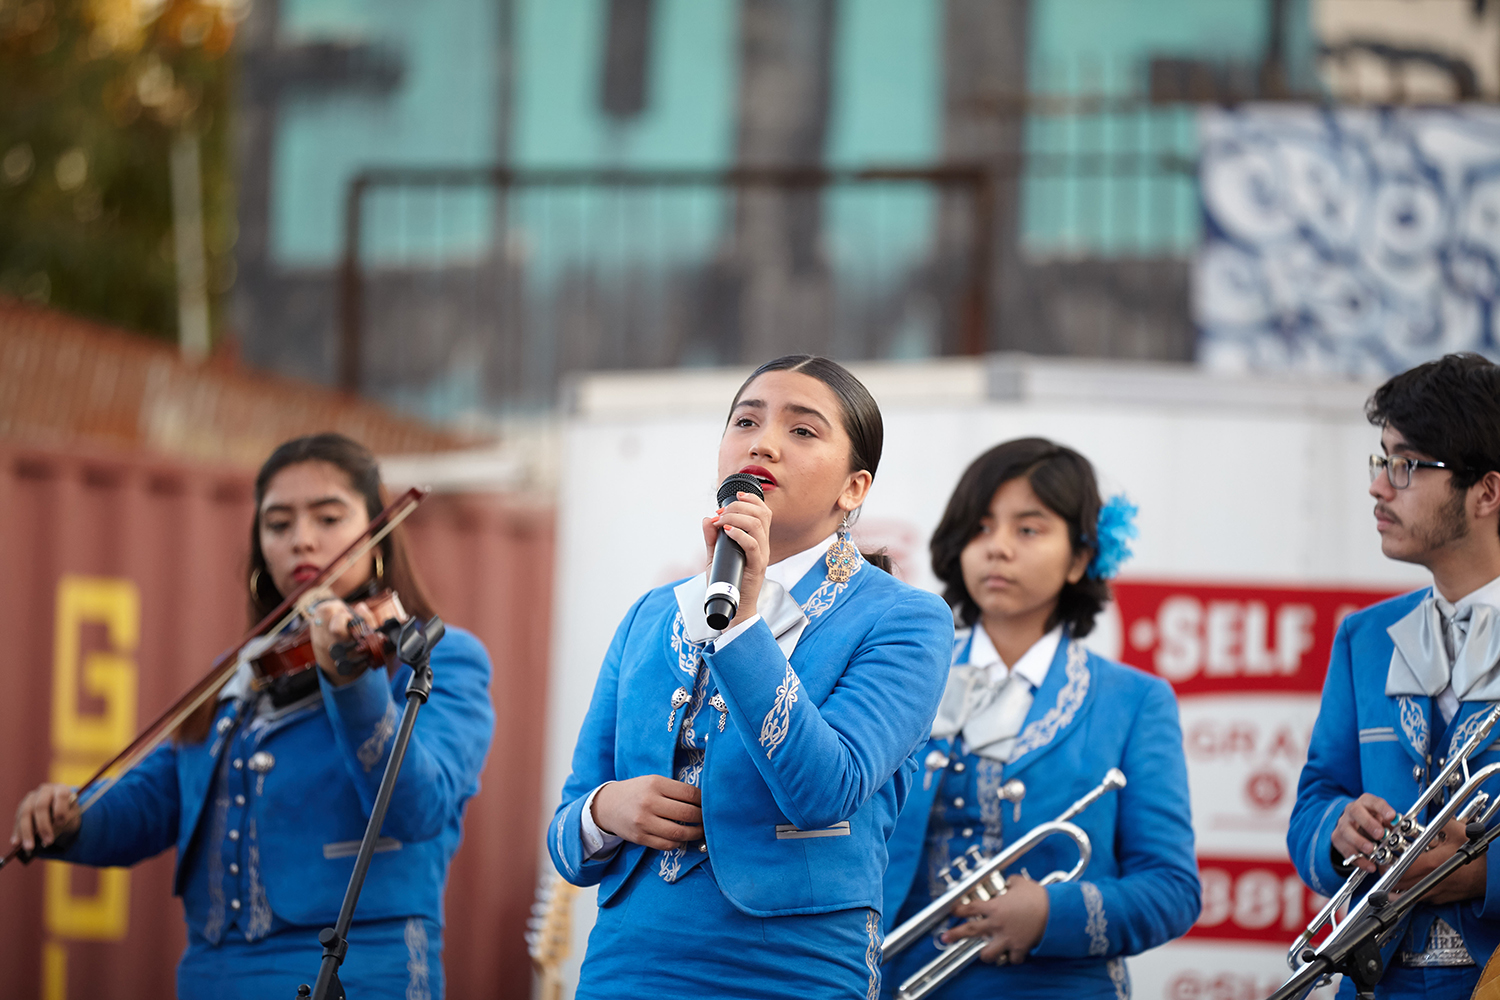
point(1404, 842)
point(986, 880)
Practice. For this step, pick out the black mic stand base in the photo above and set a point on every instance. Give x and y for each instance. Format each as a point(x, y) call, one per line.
point(413, 648)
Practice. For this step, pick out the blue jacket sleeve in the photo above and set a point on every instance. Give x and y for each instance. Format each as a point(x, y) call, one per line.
point(448, 745)
point(1331, 778)
point(134, 820)
point(593, 765)
point(1156, 896)
point(822, 762)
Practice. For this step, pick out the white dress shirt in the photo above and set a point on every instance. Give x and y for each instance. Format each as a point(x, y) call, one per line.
point(987, 701)
point(786, 573)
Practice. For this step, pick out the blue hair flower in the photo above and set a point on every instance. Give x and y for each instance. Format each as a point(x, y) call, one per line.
point(1112, 538)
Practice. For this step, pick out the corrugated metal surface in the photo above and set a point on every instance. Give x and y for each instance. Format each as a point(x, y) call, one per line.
point(123, 577)
point(64, 379)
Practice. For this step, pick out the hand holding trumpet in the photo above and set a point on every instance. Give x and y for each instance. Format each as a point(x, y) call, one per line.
point(1012, 921)
point(1363, 825)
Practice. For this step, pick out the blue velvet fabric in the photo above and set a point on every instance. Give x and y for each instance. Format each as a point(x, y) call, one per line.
point(266, 819)
point(1368, 741)
point(820, 745)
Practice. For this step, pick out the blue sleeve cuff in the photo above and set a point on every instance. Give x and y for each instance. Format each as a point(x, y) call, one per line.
point(1325, 878)
point(364, 716)
point(1076, 923)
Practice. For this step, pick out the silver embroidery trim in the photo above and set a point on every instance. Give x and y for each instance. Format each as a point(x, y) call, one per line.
point(1044, 730)
point(213, 927)
point(778, 721)
point(562, 850)
point(1445, 949)
point(1097, 927)
point(822, 599)
point(872, 955)
point(687, 652)
point(260, 907)
point(1462, 734)
point(1413, 724)
point(690, 771)
point(1120, 976)
point(417, 987)
point(372, 750)
point(990, 775)
point(939, 833)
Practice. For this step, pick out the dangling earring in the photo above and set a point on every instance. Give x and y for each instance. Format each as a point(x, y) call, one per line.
point(379, 566)
point(842, 555)
point(255, 583)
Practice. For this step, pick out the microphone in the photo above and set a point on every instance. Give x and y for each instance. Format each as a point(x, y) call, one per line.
point(728, 569)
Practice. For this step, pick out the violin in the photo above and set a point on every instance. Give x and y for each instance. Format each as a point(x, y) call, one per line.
point(290, 656)
point(282, 621)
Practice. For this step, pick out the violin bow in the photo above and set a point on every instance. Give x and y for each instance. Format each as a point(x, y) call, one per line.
point(224, 667)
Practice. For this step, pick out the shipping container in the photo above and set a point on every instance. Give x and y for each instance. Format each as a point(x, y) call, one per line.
point(125, 575)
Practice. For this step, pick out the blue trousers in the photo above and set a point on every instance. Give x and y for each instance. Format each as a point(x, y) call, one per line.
point(684, 939)
point(388, 960)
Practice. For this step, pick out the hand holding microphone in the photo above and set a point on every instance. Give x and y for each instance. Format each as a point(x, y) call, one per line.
point(739, 544)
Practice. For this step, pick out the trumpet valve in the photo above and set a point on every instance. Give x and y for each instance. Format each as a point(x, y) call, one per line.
point(961, 864)
point(976, 853)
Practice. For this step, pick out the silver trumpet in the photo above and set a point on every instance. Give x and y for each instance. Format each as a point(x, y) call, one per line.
point(1404, 842)
point(972, 876)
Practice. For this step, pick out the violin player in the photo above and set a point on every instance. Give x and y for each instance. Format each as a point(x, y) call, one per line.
point(266, 793)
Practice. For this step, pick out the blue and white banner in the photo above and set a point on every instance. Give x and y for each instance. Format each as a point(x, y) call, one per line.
point(1350, 241)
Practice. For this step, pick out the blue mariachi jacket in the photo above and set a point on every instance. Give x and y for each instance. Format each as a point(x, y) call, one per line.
point(1367, 741)
point(282, 851)
point(821, 744)
point(1141, 886)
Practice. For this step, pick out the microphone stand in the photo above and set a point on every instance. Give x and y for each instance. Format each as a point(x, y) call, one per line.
point(413, 648)
point(1358, 955)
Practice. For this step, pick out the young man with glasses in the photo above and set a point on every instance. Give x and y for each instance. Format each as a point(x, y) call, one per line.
point(1410, 678)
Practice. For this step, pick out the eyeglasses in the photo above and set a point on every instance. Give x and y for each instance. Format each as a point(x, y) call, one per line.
point(1398, 468)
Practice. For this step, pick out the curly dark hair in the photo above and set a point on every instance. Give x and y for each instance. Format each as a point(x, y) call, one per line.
point(1448, 409)
point(1064, 481)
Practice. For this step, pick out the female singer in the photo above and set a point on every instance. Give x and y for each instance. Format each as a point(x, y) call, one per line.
point(266, 794)
point(732, 792)
point(1025, 549)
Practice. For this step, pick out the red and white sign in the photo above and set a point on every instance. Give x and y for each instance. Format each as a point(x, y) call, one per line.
point(1247, 664)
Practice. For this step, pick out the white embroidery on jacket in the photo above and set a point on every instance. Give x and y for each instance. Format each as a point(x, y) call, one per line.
point(1097, 927)
point(1462, 734)
point(1042, 731)
point(417, 987)
point(990, 775)
point(778, 721)
point(562, 851)
point(1413, 724)
point(372, 750)
point(1120, 976)
point(872, 955)
point(260, 907)
point(690, 770)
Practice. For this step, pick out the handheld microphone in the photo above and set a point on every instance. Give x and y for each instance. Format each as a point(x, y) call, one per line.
point(728, 569)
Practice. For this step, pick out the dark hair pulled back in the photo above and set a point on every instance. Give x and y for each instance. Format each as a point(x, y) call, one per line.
point(859, 412)
point(1064, 481)
point(358, 463)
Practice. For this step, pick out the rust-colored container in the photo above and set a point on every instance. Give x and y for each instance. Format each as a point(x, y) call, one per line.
point(122, 578)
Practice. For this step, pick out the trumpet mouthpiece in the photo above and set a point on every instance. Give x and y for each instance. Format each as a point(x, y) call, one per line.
point(1114, 778)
